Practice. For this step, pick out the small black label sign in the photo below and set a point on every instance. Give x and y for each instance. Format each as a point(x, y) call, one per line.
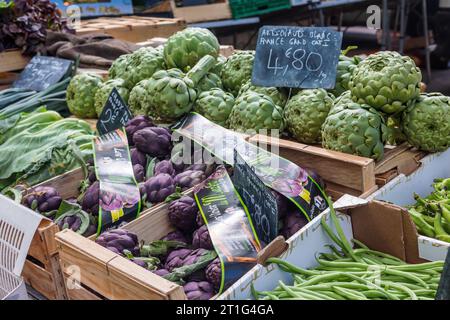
point(42, 72)
point(115, 114)
point(296, 57)
point(260, 202)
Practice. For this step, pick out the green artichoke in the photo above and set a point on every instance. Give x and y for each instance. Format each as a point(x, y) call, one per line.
point(305, 113)
point(277, 96)
point(345, 68)
point(237, 70)
point(138, 100)
point(185, 48)
point(139, 65)
point(215, 105)
point(386, 81)
point(118, 67)
point(169, 94)
point(255, 111)
point(80, 95)
point(104, 90)
point(427, 123)
point(356, 129)
point(219, 65)
point(208, 82)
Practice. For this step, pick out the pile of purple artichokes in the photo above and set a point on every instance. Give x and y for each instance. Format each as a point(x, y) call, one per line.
point(151, 152)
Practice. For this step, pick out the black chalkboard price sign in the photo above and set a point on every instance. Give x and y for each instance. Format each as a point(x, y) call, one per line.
point(115, 114)
point(42, 72)
point(260, 202)
point(443, 292)
point(296, 57)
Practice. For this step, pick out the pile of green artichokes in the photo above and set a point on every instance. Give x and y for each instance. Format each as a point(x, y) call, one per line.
point(376, 100)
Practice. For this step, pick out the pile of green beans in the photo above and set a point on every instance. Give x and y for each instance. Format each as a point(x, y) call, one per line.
point(431, 215)
point(355, 274)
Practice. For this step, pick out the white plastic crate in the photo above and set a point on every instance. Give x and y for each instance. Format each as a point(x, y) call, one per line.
point(400, 192)
point(17, 227)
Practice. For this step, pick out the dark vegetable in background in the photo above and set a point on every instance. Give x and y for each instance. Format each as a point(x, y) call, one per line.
point(24, 24)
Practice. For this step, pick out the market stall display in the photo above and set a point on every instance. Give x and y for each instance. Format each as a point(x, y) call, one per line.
point(194, 230)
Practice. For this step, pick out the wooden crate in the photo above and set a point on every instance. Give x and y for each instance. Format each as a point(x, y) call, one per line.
point(344, 173)
point(12, 60)
point(132, 28)
point(208, 12)
point(114, 277)
point(42, 269)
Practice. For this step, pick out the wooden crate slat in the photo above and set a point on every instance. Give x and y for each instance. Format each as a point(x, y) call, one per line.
point(12, 60)
point(347, 170)
point(144, 285)
point(207, 12)
point(132, 28)
point(160, 226)
point(39, 279)
point(108, 274)
point(77, 292)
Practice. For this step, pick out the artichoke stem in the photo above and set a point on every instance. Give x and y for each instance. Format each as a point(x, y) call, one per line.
point(201, 69)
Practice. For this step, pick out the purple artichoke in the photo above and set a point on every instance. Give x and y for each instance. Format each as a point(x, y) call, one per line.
point(140, 262)
point(92, 177)
point(282, 203)
point(202, 239)
point(189, 179)
point(206, 168)
point(199, 290)
point(135, 124)
point(214, 273)
point(176, 236)
point(79, 223)
point(158, 188)
point(153, 141)
point(161, 272)
point(176, 258)
point(90, 200)
point(179, 258)
point(199, 220)
point(183, 213)
point(138, 157)
point(196, 276)
point(42, 199)
point(164, 166)
point(118, 240)
point(293, 222)
point(139, 172)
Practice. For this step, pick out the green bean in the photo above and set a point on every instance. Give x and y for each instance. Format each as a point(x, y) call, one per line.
point(346, 245)
point(341, 265)
point(350, 294)
point(410, 293)
point(287, 289)
point(319, 295)
point(330, 233)
point(335, 250)
point(290, 267)
point(421, 266)
point(361, 245)
point(422, 224)
point(378, 253)
point(406, 275)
